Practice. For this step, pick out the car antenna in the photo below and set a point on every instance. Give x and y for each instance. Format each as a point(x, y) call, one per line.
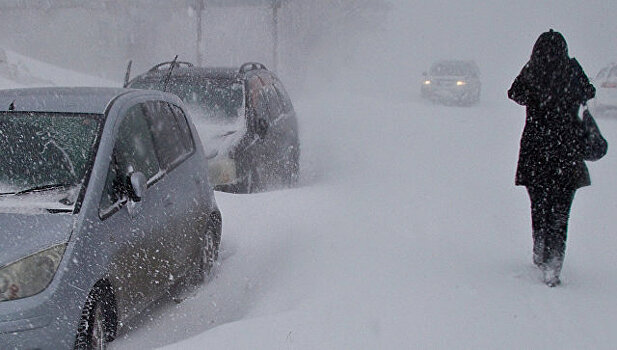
point(12, 106)
point(171, 69)
point(127, 75)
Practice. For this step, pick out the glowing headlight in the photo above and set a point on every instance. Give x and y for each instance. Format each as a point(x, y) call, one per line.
point(30, 275)
point(427, 82)
point(222, 171)
point(460, 83)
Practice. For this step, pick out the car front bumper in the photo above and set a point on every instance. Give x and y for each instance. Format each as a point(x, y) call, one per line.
point(449, 92)
point(29, 333)
point(27, 330)
point(47, 320)
point(39, 322)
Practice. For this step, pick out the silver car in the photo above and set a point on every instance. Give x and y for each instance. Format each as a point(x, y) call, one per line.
point(105, 205)
point(606, 89)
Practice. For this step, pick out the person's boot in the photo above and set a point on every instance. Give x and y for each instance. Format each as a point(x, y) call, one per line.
point(552, 271)
point(551, 278)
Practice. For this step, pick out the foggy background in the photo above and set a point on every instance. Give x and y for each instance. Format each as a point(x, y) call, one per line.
point(381, 45)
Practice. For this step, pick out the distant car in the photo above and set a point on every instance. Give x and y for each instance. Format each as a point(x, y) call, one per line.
point(452, 82)
point(103, 206)
point(243, 114)
point(606, 89)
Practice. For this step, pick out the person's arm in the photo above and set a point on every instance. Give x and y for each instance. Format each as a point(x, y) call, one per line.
point(521, 90)
point(586, 91)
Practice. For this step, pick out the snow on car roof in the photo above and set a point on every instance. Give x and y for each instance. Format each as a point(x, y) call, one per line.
point(201, 72)
point(60, 99)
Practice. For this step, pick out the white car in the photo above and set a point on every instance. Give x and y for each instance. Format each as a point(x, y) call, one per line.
point(606, 89)
point(452, 82)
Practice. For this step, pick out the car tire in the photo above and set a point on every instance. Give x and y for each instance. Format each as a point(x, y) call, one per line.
point(210, 250)
point(250, 183)
point(95, 328)
point(292, 168)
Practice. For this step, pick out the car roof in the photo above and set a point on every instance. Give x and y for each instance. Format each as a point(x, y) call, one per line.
point(226, 73)
point(455, 62)
point(91, 100)
point(190, 72)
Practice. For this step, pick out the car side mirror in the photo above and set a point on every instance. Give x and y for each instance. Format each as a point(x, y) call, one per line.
point(261, 127)
point(139, 184)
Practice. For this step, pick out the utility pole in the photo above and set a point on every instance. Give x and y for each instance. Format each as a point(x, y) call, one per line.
point(276, 5)
point(199, 7)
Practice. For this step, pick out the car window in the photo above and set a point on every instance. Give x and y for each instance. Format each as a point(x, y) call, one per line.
point(254, 87)
point(613, 74)
point(115, 189)
point(133, 152)
point(266, 79)
point(166, 133)
point(214, 100)
point(602, 74)
point(283, 97)
point(453, 69)
point(185, 130)
point(260, 103)
point(39, 149)
point(274, 105)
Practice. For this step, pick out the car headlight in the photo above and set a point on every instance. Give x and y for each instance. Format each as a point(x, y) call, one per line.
point(427, 82)
point(222, 171)
point(30, 275)
point(460, 83)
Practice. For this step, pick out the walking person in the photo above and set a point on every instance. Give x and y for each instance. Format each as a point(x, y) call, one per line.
point(552, 86)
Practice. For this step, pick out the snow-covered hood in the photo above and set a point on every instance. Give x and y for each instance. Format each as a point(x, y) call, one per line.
point(58, 200)
point(23, 234)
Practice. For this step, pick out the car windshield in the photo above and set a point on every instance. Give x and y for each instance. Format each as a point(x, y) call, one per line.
point(453, 68)
point(215, 100)
point(45, 151)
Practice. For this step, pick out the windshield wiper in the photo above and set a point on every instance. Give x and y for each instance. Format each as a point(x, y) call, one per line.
point(43, 188)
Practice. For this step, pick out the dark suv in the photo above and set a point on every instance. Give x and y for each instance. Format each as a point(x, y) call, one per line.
point(244, 117)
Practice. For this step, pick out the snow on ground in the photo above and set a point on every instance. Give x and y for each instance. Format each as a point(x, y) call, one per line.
point(19, 71)
point(406, 232)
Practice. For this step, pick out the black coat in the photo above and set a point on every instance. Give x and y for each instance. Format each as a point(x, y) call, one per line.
point(552, 86)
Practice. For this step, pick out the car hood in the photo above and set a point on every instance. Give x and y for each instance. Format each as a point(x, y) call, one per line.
point(24, 234)
point(220, 138)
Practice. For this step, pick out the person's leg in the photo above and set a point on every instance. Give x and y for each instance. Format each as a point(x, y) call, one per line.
point(539, 223)
point(560, 201)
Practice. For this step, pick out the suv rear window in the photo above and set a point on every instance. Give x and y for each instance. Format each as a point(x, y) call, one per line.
point(215, 100)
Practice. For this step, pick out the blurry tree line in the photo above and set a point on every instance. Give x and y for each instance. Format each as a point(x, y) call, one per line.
point(100, 36)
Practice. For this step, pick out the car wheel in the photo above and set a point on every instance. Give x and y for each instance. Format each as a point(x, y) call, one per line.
point(95, 329)
point(250, 183)
point(292, 171)
point(210, 250)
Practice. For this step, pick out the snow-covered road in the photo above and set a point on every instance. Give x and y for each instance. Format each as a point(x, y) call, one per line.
point(407, 232)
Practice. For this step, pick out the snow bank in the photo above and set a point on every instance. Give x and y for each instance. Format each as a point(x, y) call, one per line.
point(18, 71)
